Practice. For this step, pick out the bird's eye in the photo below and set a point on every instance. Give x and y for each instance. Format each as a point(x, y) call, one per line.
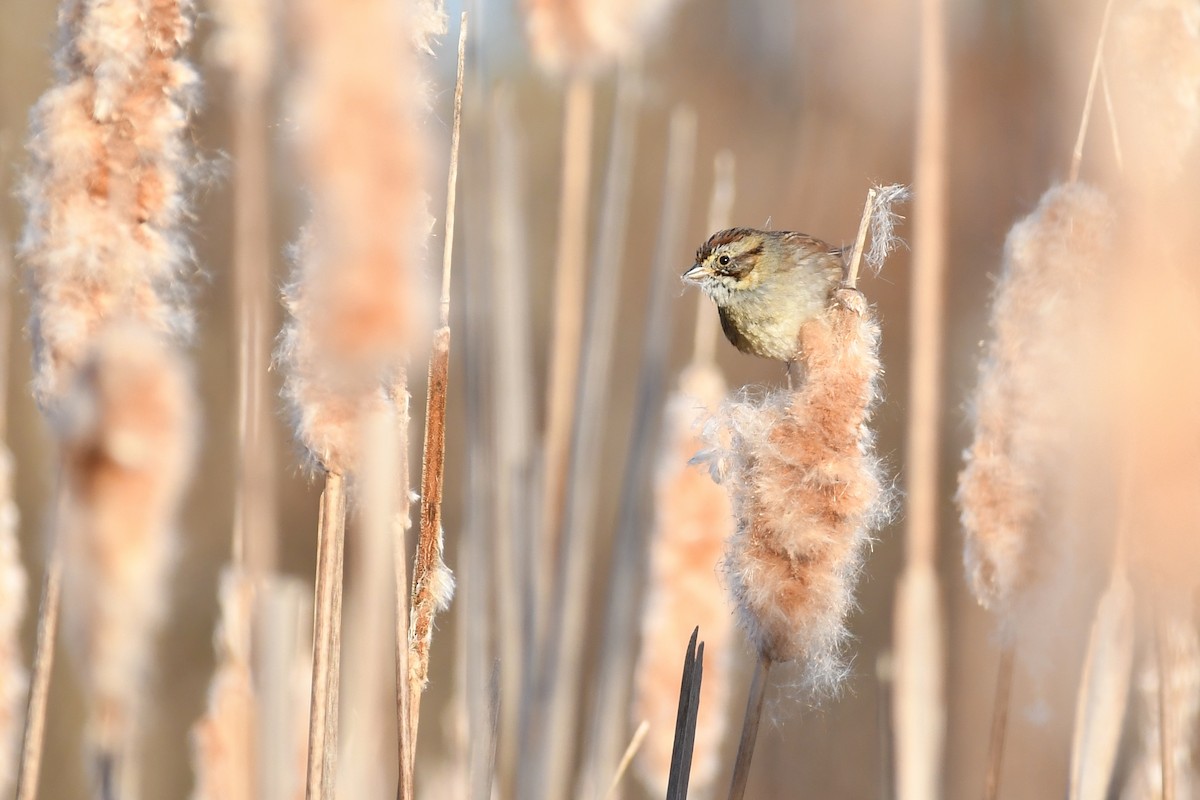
point(723, 261)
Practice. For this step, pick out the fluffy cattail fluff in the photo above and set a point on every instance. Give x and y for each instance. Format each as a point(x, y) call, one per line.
point(104, 190)
point(355, 299)
point(1015, 463)
point(590, 34)
point(807, 493)
point(13, 676)
point(223, 740)
point(128, 436)
point(1182, 649)
point(1156, 64)
point(694, 519)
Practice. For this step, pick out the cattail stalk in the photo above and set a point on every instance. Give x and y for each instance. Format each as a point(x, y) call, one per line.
point(920, 712)
point(1097, 63)
point(243, 45)
point(567, 327)
point(14, 678)
point(999, 732)
point(401, 527)
point(364, 763)
point(693, 518)
point(103, 242)
point(565, 666)
point(283, 677)
point(433, 585)
point(631, 751)
point(513, 427)
point(604, 295)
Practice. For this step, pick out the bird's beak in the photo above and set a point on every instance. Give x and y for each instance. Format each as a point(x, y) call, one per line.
point(696, 273)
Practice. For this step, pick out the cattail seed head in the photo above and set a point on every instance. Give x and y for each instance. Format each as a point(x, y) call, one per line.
point(128, 432)
point(105, 187)
point(1011, 490)
point(356, 301)
point(807, 493)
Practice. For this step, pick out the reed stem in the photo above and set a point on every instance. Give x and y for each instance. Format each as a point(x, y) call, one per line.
point(39, 686)
point(327, 638)
point(720, 211)
point(754, 706)
point(1097, 60)
point(432, 584)
point(1000, 705)
point(567, 331)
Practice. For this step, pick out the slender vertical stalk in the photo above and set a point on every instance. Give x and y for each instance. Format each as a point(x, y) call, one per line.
point(995, 761)
point(1097, 61)
point(404, 741)
point(919, 708)
point(595, 389)
point(1166, 707)
point(754, 706)
point(564, 671)
point(39, 687)
point(254, 542)
point(327, 623)
point(720, 210)
point(513, 428)
point(432, 584)
point(631, 750)
point(567, 331)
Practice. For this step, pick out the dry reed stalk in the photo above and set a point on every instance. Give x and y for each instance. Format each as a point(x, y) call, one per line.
point(720, 214)
point(918, 696)
point(14, 679)
point(224, 740)
point(607, 729)
point(242, 45)
point(128, 434)
point(1086, 116)
point(1156, 71)
point(631, 751)
point(282, 677)
point(693, 520)
point(1168, 677)
point(567, 327)
point(432, 583)
point(565, 664)
point(1100, 704)
point(1010, 490)
point(103, 239)
point(366, 771)
point(920, 710)
point(400, 528)
point(999, 733)
point(513, 428)
point(745, 750)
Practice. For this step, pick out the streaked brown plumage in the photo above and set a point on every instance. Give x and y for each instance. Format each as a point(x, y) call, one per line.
point(766, 285)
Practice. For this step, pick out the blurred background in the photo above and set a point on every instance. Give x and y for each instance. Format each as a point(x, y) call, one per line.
point(816, 101)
